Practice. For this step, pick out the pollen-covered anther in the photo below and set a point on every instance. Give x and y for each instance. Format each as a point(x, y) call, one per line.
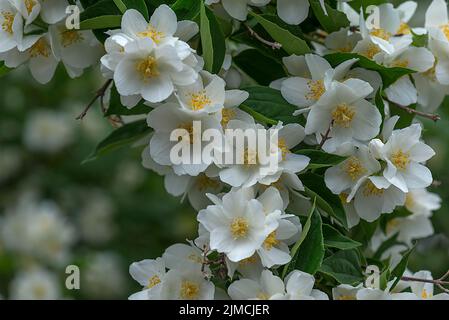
point(189, 290)
point(400, 159)
point(354, 168)
point(316, 89)
point(152, 34)
point(199, 100)
point(147, 67)
point(343, 115)
point(239, 228)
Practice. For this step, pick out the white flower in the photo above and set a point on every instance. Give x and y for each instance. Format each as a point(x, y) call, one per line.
point(48, 131)
point(168, 117)
point(342, 40)
point(267, 287)
point(150, 274)
point(250, 268)
point(294, 11)
point(437, 21)
point(151, 71)
point(404, 153)
point(238, 224)
point(345, 292)
point(35, 284)
point(422, 202)
point(349, 116)
point(299, 286)
point(76, 49)
point(420, 290)
point(410, 228)
point(181, 256)
point(373, 294)
point(39, 57)
point(238, 9)
point(186, 285)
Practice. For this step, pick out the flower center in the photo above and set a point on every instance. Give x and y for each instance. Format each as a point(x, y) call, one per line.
point(29, 4)
point(316, 89)
point(371, 51)
point(147, 67)
point(204, 183)
point(425, 295)
point(404, 28)
point(247, 261)
point(226, 116)
point(263, 296)
point(70, 37)
point(445, 29)
point(40, 48)
point(346, 297)
point(270, 241)
point(199, 100)
point(189, 290)
point(381, 33)
point(371, 190)
point(343, 115)
point(239, 228)
point(8, 21)
point(354, 168)
point(400, 159)
point(152, 33)
point(153, 281)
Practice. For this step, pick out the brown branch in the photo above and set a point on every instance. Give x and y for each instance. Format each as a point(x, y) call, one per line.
point(438, 282)
point(325, 136)
point(99, 95)
point(273, 45)
point(430, 116)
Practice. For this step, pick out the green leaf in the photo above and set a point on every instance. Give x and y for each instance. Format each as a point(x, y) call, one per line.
point(120, 5)
point(364, 231)
point(334, 239)
point(100, 8)
point(116, 107)
point(389, 75)
point(320, 159)
point(138, 5)
point(186, 9)
point(405, 118)
point(308, 253)
point(119, 138)
point(291, 43)
point(380, 105)
point(270, 103)
point(4, 69)
point(387, 244)
point(327, 201)
point(212, 40)
point(333, 21)
point(399, 270)
point(357, 4)
point(420, 40)
point(250, 62)
point(344, 267)
point(101, 22)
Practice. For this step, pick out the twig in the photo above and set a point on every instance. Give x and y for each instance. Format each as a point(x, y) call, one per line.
point(439, 282)
point(273, 45)
point(325, 136)
point(430, 116)
point(99, 95)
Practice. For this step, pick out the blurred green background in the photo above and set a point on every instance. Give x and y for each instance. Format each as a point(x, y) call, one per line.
point(144, 218)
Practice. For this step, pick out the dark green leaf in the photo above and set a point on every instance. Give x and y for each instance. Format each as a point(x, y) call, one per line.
point(119, 138)
point(186, 9)
point(212, 40)
point(399, 270)
point(279, 31)
point(334, 20)
point(320, 159)
point(4, 69)
point(327, 201)
point(334, 239)
point(344, 267)
point(389, 75)
point(101, 22)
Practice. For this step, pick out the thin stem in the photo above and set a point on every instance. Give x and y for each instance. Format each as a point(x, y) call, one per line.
point(325, 136)
point(430, 116)
point(313, 39)
point(273, 45)
point(440, 283)
point(99, 95)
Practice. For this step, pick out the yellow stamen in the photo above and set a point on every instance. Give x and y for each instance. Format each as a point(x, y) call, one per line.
point(147, 67)
point(354, 168)
point(346, 297)
point(8, 21)
point(404, 28)
point(381, 33)
point(343, 197)
point(153, 281)
point(250, 157)
point(69, 37)
point(199, 100)
point(189, 290)
point(29, 4)
point(371, 51)
point(400, 159)
point(282, 145)
point(316, 89)
point(263, 296)
point(40, 48)
point(247, 261)
point(400, 63)
point(195, 258)
point(371, 190)
point(270, 241)
point(445, 29)
point(343, 115)
point(152, 33)
point(425, 294)
point(239, 228)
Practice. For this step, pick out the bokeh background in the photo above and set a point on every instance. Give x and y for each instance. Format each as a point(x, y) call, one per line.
point(112, 211)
